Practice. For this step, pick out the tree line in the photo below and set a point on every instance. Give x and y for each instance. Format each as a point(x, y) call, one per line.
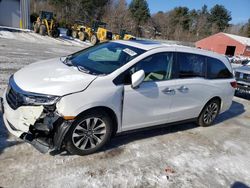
point(180, 23)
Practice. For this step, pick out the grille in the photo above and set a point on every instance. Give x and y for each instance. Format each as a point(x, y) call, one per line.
point(246, 77)
point(14, 99)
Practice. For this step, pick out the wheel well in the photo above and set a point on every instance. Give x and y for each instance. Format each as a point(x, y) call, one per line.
point(214, 98)
point(109, 111)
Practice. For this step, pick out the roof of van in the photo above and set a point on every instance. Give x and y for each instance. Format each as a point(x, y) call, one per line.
point(142, 44)
point(150, 44)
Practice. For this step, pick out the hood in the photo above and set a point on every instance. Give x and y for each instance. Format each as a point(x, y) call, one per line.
point(52, 77)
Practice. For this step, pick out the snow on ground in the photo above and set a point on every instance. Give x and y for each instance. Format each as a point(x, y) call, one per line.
point(30, 36)
point(179, 156)
point(183, 155)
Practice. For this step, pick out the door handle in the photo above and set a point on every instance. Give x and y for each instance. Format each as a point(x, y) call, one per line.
point(183, 89)
point(168, 91)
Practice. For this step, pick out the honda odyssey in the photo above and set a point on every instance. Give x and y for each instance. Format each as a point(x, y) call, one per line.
point(80, 101)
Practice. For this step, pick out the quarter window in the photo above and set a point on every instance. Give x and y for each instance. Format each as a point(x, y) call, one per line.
point(191, 65)
point(217, 69)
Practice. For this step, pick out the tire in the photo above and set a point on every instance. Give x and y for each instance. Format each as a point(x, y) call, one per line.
point(82, 36)
point(42, 30)
point(75, 34)
point(55, 33)
point(81, 139)
point(69, 32)
point(209, 113)
point(36, 28)
point(94, 39)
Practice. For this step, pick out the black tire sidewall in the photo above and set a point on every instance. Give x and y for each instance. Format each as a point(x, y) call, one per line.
point(55, 33)
point(68, 138)
point(69, 32)
point(42, 30)
point(36, 28)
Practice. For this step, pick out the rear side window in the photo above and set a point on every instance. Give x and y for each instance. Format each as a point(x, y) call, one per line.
point(216, 69)
point(191, 65)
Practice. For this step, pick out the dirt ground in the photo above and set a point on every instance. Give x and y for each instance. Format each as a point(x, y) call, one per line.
point(182, 155)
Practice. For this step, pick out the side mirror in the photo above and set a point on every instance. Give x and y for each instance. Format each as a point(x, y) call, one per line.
point(137, 78)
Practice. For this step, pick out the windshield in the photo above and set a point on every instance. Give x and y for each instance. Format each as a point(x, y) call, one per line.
point(104, 58)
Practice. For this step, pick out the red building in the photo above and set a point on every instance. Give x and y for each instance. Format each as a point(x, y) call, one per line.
point(227, 44)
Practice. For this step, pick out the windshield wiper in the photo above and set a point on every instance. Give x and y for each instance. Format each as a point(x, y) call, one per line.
point(83, 69)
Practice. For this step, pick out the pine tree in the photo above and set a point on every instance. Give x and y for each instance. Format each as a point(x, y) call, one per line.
point(140, 13)
point(220, 17)
point(248, 28)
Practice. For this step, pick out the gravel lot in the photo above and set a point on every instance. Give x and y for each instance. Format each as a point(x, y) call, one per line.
point(183, 155)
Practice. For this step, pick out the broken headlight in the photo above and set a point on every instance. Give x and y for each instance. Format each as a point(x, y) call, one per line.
point(40, 99)
point(17, 97)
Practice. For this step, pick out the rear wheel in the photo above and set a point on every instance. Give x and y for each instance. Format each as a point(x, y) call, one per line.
point(209, 113)
point(42, 30)
point(89, 133)
point(55, 33)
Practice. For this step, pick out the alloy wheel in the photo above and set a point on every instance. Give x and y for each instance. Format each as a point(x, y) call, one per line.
point(210, 113)
point(89, 133)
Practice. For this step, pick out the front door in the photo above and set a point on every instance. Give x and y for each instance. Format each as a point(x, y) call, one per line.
point(149, 104)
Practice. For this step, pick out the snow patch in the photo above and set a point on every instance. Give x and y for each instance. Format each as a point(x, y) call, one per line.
point(36, 38)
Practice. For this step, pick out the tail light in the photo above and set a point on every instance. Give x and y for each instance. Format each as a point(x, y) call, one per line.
point(234, 84)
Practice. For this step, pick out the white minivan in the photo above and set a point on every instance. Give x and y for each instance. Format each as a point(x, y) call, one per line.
point(80, 101)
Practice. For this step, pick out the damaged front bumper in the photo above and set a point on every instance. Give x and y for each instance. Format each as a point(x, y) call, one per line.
point(38, 125)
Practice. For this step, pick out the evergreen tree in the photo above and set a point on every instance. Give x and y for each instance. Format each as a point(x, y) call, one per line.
point(140, 13)
point(248, 28)
point(220, 17)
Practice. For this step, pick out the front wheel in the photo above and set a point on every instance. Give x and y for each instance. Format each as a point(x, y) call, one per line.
point(209, 113)
point(89, 133)
point(94, 39)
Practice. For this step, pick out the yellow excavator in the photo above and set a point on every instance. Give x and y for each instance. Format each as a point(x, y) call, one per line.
point(95, 34)
point(46, 24)
point(124, 35)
